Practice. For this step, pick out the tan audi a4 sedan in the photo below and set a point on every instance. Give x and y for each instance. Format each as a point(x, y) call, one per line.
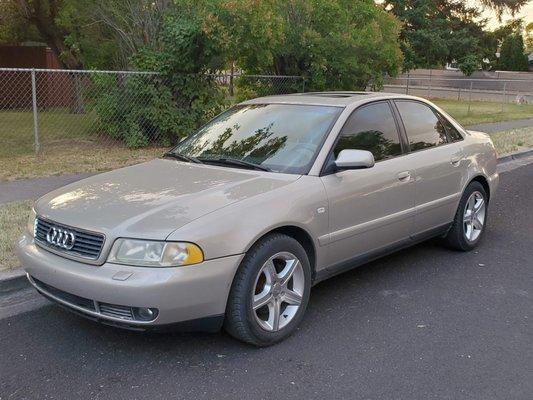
point(234, 225)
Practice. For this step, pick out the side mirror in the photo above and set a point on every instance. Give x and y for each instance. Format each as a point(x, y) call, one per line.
point(354, 159)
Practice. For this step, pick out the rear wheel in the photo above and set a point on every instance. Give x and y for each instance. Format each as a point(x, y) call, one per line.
point(470, 219)
point(270, 291)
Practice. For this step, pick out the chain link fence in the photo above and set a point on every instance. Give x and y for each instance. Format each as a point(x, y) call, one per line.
point(61, 121)
point(465, 89)
point(73, 121)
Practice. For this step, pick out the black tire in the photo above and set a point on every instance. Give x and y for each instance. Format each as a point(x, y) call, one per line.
point(240, 321)
point(456, 237)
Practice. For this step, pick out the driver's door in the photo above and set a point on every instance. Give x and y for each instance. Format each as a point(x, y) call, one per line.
point(370, 209)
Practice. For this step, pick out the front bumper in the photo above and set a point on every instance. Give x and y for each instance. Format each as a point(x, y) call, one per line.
point(180, 294)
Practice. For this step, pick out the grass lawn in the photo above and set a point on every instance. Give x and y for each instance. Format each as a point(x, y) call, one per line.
point(484, 111)
point(16, 129)
point(69, 144)
point(13, 217)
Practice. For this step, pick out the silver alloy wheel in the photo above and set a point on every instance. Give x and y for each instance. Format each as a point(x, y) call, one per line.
point(474, 216)
point(278, 291)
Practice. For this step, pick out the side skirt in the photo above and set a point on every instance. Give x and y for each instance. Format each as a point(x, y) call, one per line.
point(365, 258)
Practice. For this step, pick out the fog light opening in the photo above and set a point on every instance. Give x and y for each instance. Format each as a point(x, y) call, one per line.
point(145, 313)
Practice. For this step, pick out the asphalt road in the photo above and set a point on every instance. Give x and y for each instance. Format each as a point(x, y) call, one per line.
point(425, 323)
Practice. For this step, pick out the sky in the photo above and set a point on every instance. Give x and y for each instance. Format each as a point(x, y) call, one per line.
point(526, 13)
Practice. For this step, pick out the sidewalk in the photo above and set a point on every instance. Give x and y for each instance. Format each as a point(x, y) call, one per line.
point(27, 189)
point(501, 126)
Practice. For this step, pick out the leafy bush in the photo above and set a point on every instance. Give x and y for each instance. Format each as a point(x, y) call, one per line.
point(142, 110)
point(248, 87)
point(469, 64)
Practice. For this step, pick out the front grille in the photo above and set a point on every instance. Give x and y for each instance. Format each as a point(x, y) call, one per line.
point(86, 244)
point(113, 310)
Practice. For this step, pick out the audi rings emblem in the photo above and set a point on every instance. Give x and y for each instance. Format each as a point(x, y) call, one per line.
point(61, 238)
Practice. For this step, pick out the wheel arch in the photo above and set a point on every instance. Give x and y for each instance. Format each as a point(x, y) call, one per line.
point(483, 181)
point(301, 236)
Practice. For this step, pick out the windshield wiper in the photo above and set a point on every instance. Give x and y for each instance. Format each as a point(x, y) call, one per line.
point(182, 157)
point(236, 163)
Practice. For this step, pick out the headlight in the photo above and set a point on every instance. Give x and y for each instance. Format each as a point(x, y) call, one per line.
point(31, 222)
point(148, 253)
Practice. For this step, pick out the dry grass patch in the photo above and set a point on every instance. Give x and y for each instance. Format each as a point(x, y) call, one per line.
point(513, 140)
point(13, 217)
point(64, 157)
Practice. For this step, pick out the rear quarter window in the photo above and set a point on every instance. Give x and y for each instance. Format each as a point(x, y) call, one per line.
point(422, 126)
point(451, 130)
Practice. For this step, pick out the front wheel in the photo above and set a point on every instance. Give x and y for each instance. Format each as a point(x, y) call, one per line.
point(270, 291)
point(470, 219)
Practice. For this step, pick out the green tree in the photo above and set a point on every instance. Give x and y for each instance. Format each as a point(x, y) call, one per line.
point(335, 44)
point(44, 17)
point(104, 33)
point(500, 6)
point(13, 27)
point(436, 32)
point(66, 26)
point(512, 54)
point(529, 37)
point(130, 25)
point(88, 40)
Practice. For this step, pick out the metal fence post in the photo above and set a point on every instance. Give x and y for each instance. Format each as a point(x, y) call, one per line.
point(504, 94)
point(232, 73)
point(36, 144)
point(470, 96)
point(407, 86)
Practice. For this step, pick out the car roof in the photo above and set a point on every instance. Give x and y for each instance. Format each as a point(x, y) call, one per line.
point(338, 99)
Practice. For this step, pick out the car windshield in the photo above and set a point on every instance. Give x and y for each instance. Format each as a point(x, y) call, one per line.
point(277, 137)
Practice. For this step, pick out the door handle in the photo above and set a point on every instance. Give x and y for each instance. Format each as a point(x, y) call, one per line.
point(404, 176)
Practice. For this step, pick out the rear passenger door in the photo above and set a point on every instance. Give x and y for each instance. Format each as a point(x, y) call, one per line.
point(436, 156)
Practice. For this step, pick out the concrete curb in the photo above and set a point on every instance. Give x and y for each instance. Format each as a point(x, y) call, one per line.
point(515, 156)
point(12, 281)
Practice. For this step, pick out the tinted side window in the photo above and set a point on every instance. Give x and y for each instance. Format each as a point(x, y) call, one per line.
point(451, 130)
point(423, 128)
point(371, 128)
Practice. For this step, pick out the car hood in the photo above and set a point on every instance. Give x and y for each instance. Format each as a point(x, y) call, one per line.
point(153, 199)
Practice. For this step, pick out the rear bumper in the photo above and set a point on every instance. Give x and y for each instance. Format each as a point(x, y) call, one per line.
point(180, 295)
point(494, 181)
